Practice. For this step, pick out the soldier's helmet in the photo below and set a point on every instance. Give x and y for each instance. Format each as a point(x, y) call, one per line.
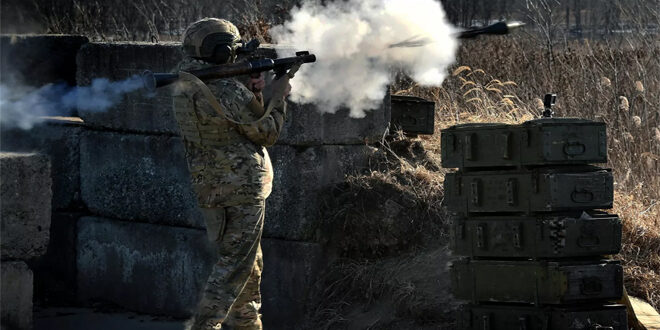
point(212, 39)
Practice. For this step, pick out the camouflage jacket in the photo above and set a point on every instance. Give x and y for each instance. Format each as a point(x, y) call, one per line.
point(228, 163)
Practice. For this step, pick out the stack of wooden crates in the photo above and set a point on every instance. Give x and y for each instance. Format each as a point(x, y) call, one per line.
point(528, 226)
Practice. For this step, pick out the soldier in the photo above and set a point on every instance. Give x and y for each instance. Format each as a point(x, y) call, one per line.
point(225, 125)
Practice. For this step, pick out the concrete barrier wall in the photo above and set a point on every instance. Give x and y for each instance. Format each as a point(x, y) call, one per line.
point(55, 272)
point(16, 290)
point(59, 139)
point(25, 195)
point(137, 178)
point(302, 176)
point(143, 267)
point(291, 269)
point(30, 187)
point(123, 201)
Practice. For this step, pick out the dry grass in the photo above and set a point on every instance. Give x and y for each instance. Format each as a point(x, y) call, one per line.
point(409, 291)
point(387, 232)
point(393, 209)
point(641, 246)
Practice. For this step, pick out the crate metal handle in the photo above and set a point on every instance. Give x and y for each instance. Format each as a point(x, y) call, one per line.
point(582, 196)
point(574, 148)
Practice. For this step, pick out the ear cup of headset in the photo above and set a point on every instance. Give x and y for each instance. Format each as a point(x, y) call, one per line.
point(222, 54)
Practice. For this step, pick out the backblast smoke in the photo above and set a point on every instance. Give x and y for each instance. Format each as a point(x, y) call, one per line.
point(24, 107)
point(358, 43)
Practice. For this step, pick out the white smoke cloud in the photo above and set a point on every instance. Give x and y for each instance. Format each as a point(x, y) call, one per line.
point(25, 107)
point(357, 44)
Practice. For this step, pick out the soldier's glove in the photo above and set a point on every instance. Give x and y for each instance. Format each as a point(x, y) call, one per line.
point(279, 88)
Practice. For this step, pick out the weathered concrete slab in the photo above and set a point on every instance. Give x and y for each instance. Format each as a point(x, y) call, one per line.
point(301, 177)
point(59, 138)
point(15, 296)
point(161, 270)
point(142, 267)
point(290, 271)
point(25, 195)
point(36, 60)
point(137, 177)
point(120, 60)
point(305, 126)
point(55, 271)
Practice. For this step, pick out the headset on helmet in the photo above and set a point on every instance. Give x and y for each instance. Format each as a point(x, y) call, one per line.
point(212, 39)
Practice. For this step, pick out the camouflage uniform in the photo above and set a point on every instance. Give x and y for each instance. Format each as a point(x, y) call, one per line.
point(232, 176)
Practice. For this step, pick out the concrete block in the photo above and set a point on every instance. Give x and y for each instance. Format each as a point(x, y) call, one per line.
point(15, 296)
point(302, 176)
point(290, 271)
point(59, 138)
point(36, 60)
point(55, 271)
point(137, 177)
point(120, 60)
point(25, 195)
point(142, 267)
point(306, 126)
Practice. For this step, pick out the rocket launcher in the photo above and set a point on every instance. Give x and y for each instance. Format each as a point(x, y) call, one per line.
point(280, 66)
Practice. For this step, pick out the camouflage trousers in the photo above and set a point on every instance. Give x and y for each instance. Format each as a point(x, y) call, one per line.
point(231, 298)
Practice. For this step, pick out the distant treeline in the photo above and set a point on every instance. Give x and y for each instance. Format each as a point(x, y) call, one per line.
point(165, 19)
point(145, 20)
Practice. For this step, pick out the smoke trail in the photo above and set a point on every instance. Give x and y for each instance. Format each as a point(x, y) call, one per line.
point(358, 42)
point(24, 107)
